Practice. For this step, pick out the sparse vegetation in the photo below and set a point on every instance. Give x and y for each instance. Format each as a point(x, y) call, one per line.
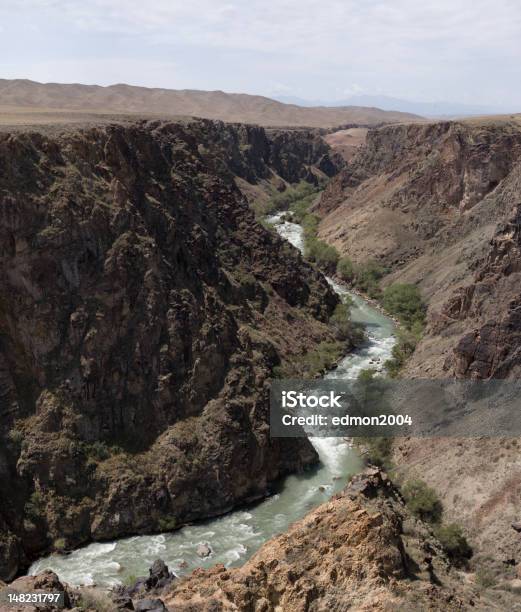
point(16, 436)
point(34, 507)
point(321, 358)
point(321, 253)
point(485, 578)
point(377, 450)
point(299, 200)
point(167, 523)
point(406, 341)
point(267, 225)
point(422, 501)
point(100, 450)
point(94, 600)
point(59, 544)
point(345, 269)
point(130, 580)
point(344, 327)
point(367, 278)
point(289, 198)
point(404, 301)
point(454, 543)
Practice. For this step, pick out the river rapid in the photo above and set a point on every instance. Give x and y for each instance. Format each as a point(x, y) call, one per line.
point(234, 537)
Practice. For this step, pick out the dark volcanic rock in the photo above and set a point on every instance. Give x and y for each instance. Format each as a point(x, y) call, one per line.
point(142, 312)
point(159, 576)
point(149, 605)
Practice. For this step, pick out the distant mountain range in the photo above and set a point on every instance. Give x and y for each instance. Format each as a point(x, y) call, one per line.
point(30, 98)
point(425, 109)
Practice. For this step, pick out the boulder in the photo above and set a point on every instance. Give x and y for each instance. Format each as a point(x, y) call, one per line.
point(203, 550)
point(123, 602)
point(160, 575)
point(150, 605)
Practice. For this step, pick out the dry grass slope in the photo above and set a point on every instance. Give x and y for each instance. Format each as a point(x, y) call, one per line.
point(31, 102)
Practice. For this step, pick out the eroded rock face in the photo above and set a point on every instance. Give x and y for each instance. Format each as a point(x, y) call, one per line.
point(142, 311)
point(362, 551)
point(440, 205)
point(46, 582)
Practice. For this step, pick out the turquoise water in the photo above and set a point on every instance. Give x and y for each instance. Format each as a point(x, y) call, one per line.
point(234, 537)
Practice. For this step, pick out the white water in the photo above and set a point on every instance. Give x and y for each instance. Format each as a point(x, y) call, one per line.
point(236, 536)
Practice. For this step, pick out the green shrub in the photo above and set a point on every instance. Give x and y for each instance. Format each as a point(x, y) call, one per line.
point(130, 580)
point(278, 371)
point(345, 269)
point(94, 600)
point(343, 326)
point(367, 277)
point(33, 508)
point(377, 450)
point(167, 523)
point(299, 196)
point(267, 226)
point(454, 543)
point(402, 350)
point(100, 450)
point(341, 320)
point(369, 391)
point(59, 544)
point(16, 436)
point(300, 208)
point(290, 195)
point(322, 357)
point(323, 254)
point(310, 226)
point(405, 302)
point(422, 501)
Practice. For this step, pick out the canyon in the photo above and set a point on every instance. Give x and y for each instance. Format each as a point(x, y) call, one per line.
point(438, 206)
point(142, 312)
point(145, 310)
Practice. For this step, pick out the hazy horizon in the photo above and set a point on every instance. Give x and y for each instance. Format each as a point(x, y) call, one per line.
point(465, 53)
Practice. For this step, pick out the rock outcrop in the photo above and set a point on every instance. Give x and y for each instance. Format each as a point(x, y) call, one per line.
point(440, 205)
point(362, 550)
point(141, 314)
point(45, 583)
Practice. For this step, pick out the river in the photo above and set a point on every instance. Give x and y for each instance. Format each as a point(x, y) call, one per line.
point(234, 537)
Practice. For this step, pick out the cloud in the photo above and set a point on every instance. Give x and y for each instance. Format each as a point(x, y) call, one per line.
point(299, 24)
point(381, 44)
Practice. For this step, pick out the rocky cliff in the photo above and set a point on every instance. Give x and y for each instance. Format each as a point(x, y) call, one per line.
point(362, 550)
point(142, 311)
point(440, 205)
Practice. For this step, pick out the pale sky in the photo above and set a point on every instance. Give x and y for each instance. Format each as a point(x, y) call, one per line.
point(466, 51)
